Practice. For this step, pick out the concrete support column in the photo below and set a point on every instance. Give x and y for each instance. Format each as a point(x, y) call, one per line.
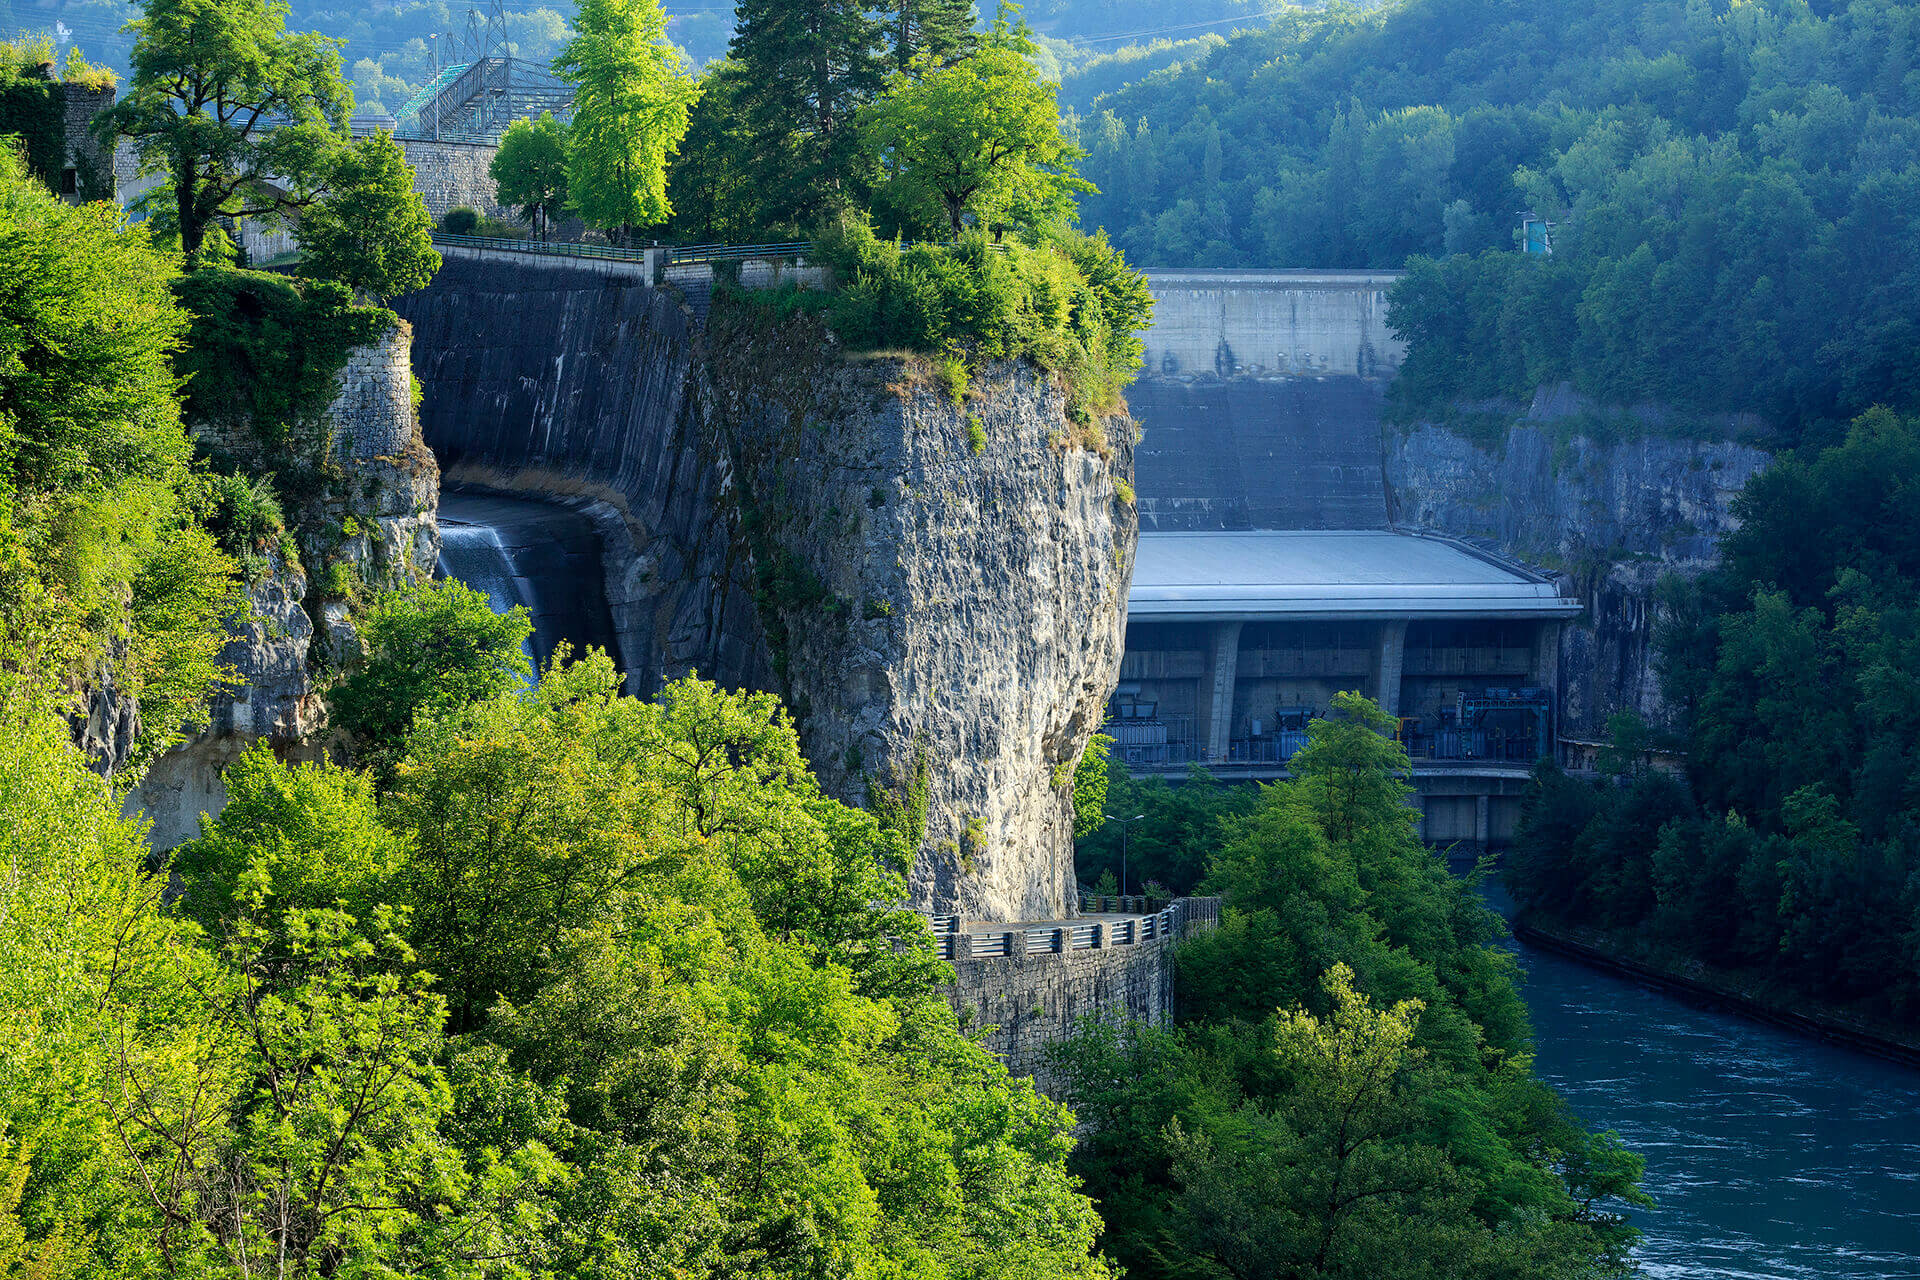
point(1482, 822)
point(1217, 693)
point(1546, 675)
point(1388, 660)
point(1546, 656)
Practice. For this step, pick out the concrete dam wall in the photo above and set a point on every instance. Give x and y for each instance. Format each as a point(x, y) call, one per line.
point(1261, 405)
point(1260, 399)
point(944, 620)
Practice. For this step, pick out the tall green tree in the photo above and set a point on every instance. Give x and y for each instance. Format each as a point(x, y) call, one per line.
point(244, 118)
point(977, 142)
point(806, 67)
point(371, 232)
point(530, 169)
point(935, 32)
point(632, 95)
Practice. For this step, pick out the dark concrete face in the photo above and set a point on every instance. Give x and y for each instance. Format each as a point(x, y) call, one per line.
point(534, 554)
point(1259, 453)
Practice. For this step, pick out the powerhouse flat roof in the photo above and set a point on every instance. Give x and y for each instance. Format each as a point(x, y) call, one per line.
point(1364, 573)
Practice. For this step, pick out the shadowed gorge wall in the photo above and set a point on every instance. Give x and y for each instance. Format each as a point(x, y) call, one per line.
point(944, 621)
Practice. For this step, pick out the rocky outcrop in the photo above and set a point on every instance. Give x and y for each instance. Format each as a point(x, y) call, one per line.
point(275, 699)
point(942, 589)
point(1612, 516)
point(370, 521)
point(945, 622)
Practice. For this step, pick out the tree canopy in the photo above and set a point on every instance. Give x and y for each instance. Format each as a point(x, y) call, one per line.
point(632, 95)
point(976, 142)
point(529, 170)
point(371, 232)
point(1348, 1091)
point(244, 118)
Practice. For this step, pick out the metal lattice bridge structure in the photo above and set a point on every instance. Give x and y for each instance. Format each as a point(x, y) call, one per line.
point(476, 101)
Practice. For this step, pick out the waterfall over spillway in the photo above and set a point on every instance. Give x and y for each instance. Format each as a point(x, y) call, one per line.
point(535, 555)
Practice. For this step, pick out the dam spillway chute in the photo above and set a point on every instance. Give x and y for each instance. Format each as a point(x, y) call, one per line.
point(539, 556)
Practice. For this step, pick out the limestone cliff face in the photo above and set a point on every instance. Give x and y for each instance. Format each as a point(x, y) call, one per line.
point(374, 518)
point(943, 589)
point(1612, 516)
point(945, 624)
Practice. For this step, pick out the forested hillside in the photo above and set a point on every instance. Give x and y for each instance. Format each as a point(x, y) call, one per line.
point(1733, 186)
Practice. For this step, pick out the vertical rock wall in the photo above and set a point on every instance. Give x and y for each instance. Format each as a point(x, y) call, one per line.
point(1612, 516)
point(943, 588)
point(376, 514)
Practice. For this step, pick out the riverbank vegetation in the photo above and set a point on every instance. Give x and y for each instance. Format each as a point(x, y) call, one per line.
point(1348, 1090)
point(1792, 852)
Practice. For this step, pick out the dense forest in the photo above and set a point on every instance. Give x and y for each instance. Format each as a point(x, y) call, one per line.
point(1733, 188)
point(1792, 851)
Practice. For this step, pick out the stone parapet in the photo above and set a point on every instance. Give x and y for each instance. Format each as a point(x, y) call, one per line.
point(1031, 999)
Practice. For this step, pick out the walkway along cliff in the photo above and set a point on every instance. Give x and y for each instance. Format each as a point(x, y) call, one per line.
point(942, 613)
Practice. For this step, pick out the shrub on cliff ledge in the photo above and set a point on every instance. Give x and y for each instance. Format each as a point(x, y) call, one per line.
point(1069, 303)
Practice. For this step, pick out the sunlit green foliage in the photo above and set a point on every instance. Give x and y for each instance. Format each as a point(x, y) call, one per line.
point(1068, 303)
point(632, 93)
point(530, 170)
point(976, 143)
point(430, 646)
point(100, 557)
point(1796, 857)
point(371, 232)
point(1349, 1092)
point(221, 94)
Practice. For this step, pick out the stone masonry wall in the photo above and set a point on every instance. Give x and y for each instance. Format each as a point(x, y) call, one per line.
point(450, 174)
point(1034, 1001)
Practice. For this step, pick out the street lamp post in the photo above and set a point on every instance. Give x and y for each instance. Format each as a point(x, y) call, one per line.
point(1124, 824)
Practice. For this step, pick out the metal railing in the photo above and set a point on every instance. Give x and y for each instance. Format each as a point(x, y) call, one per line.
point(681, 255)
point(552, 248)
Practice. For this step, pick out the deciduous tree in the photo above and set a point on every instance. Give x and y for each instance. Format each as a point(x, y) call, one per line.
point(633, 92)
point(976, 142)
point(530, 169)
point(371, 232)
point(244, 118)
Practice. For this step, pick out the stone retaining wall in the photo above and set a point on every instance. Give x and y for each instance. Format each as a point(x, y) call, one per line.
point(1033, 1001)
point(450, 174)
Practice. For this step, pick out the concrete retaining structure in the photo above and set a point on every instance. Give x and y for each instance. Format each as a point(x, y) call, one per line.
point(1035, 999)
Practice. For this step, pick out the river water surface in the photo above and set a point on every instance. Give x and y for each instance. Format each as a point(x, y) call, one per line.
point(1769, 1154)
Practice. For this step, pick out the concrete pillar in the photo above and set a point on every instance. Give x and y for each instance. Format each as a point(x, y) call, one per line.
point(1222, 670)
point(1546, 656)
point(1388, 661)
point(1482, 822)
point(1546, 675)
